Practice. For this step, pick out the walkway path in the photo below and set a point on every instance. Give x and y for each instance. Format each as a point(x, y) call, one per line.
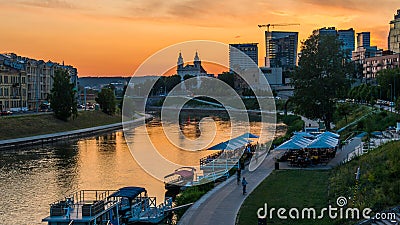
point(221, 205)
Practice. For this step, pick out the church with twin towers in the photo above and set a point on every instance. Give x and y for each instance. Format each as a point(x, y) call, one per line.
point(194, 70)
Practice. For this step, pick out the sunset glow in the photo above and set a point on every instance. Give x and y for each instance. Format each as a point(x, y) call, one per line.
point(113, 37)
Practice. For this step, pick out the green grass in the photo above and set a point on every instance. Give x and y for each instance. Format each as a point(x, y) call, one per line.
point(287, 189)
point(379, 178)
point(379, 187)
point(30, 125)
point(356, 111)
point(190, 195)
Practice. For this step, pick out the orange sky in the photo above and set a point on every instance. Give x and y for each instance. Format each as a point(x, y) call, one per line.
point(113, 37)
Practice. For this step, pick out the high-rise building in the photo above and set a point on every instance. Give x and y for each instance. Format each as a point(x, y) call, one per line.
point(348, 41)
point(281, 49)
point(364, 39)
point(326, 31)
point(394, 34)
point(239, 53)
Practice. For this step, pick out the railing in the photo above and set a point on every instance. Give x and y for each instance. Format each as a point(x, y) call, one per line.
point(85, 202)
point(213, 176)
point(220, 164)
point(147, 207)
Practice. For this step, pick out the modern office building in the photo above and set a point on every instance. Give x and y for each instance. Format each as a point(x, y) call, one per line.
point(363, 39)
point(273, 75)
point(394, 34)
point(239, 55)
point(326, 31)
point(281, 49)
point(34, 78)
point(348, 41)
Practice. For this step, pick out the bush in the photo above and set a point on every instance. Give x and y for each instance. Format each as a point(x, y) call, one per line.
point(190, 195)
point(379, 184)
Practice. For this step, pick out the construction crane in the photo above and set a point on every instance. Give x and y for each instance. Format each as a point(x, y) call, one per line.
point(276, 25)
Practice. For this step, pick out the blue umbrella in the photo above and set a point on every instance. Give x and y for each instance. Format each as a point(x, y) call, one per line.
point(248, 135)
point(232, 144)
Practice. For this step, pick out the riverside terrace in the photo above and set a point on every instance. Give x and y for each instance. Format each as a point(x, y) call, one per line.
point(309, 149)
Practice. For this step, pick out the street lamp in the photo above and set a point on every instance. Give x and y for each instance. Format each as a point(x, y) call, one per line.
point(380, 91)
point(391, 97)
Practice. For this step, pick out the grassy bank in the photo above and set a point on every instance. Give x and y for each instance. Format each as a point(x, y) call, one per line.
point(378, 188)
point(379, 184)
point(349, 113)
point(374, 120)
point(30, 125)
point(287, 189)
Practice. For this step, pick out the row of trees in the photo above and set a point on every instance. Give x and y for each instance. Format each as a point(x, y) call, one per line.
point(387, 80)
point(63, 99)
point(324, 75)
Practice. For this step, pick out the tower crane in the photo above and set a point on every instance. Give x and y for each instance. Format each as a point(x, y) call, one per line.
point(276, 25)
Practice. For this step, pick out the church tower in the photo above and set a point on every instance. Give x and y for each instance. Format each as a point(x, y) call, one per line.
point(197, 62)
point(180, 61)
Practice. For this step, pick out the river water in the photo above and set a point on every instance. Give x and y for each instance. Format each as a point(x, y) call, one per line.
point(32, 178)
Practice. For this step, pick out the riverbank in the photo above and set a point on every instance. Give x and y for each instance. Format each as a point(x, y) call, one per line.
point(40, 124)
point(377, 188)
point(13, 143)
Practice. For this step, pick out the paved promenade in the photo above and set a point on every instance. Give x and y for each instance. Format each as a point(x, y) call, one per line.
point(221, 205)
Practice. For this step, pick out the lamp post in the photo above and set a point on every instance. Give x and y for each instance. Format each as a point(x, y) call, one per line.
point(391, 97)
point(380, 91)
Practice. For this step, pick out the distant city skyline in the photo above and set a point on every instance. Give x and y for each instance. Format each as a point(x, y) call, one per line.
point(113, 37)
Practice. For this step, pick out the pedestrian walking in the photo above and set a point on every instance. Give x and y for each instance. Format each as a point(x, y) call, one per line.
point(238, 174)
point(244, 184)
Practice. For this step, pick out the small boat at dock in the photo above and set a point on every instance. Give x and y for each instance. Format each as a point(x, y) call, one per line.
point(181, 177)
point(126, 206)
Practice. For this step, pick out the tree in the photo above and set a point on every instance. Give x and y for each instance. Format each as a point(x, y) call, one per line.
point(227, 78)
point(106, 100)
point(320, 78)
point(389, 81)
point(62, 96)
point(344, 110)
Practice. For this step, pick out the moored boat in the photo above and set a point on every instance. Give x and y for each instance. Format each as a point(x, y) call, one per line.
point(181, 177)
point(128, 205)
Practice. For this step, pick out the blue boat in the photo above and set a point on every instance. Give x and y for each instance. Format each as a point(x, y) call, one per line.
point(128, 205)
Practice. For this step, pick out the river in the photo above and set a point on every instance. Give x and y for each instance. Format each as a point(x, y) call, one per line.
point(32, 178)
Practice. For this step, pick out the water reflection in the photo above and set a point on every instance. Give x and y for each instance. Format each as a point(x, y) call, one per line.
point(31, 179)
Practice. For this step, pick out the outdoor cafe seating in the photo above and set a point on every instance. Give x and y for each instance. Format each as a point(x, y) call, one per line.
point(304, 150)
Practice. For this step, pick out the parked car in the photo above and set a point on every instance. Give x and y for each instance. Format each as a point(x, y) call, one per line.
point(6, 113)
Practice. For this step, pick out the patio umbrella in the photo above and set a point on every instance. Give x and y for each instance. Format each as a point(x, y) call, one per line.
point(232, 144)
point(248, 135)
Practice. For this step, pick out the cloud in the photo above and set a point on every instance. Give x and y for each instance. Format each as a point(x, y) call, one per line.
point(354, 5)
point(279, 13)
point(49, 4)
